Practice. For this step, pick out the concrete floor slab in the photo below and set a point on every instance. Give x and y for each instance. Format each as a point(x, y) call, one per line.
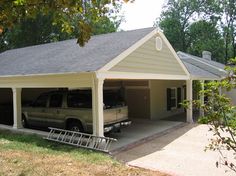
point(140, 131)
point(180, 152)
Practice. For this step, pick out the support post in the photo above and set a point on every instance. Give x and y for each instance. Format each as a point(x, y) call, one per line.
point(97, 97)
point(189, 89)
point(17, 108)
point(202, 99)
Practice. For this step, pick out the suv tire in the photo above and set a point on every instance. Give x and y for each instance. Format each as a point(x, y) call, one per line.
point(75, 125)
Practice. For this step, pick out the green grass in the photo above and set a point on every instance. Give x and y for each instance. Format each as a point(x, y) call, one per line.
point(36, 144)
point(31, 155)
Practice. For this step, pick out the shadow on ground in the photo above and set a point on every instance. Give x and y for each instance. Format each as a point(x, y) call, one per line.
point(153, 146)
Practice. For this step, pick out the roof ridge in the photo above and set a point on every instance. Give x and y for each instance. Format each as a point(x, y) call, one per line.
point(93, 36)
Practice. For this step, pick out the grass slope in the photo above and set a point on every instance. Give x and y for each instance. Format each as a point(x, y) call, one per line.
point(31, 155)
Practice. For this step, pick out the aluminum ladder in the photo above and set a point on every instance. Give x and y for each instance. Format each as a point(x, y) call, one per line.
point(79, 139)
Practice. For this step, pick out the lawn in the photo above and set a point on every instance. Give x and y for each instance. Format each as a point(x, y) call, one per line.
point(24, 155)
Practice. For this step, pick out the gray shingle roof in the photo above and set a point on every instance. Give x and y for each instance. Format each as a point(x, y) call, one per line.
point(202, 68)
point(67, 56)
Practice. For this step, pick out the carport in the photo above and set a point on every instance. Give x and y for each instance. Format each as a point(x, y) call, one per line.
point(143, 54)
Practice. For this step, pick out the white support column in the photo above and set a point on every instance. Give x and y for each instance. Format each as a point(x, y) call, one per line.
point(202, 100)
point(189, 89)
point(17, 107)
point(97, 96)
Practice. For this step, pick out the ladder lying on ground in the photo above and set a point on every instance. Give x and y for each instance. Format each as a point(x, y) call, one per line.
point(79, 139)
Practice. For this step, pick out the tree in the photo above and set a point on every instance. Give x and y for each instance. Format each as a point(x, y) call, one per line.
point(41, 30)
point(228, 11)
point(176, 18)
point(33, 31)
point(84, 12)
point(205, 35)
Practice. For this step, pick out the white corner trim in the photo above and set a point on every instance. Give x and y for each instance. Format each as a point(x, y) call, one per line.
point(174, 53)
point(128, 51)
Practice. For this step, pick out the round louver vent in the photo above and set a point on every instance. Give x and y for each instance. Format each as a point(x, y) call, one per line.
point(158, 44)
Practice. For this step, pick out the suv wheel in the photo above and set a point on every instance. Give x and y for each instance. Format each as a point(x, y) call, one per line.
point(75, 126)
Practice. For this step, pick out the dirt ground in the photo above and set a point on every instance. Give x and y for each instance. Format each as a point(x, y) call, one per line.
point(22, 163)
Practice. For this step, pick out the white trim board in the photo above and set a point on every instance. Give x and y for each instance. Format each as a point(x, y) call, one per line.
point(143, 76)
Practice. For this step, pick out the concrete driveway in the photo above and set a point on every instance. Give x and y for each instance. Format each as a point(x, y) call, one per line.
point(180, 152)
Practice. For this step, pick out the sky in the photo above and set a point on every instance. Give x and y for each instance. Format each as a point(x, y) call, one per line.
point(141, 13)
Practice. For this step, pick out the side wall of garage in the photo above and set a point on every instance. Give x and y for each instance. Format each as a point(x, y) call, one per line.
point(158, 98)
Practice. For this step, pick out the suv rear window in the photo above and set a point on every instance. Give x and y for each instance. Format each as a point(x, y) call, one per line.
point(112, 98)
point(41, 101)
point(56, 100)
point(80, 99)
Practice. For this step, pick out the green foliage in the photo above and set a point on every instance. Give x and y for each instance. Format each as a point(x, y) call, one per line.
point(41, 30)
point(205, 36)
point(203, 120)
point(196, 25)
point(220, 114)
point(175, 20)
point(76, 17)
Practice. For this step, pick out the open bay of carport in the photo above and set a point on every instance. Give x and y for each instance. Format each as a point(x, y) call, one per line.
point(141, 131)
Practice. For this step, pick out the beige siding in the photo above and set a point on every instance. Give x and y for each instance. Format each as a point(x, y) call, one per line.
point(159, 100)
point(146, 59)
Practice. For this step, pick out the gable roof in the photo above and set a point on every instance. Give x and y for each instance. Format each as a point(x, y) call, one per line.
point(67, 56)
point(200, 68)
